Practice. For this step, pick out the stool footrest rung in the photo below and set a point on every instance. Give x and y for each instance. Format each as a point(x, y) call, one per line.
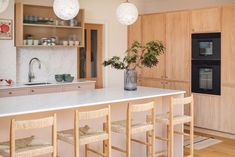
point(119, 149)
point(181, 133)
point(161, 138)
point(141, 142)
point(95, 152)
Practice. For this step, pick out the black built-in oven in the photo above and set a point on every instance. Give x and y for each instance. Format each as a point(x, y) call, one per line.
point(206, 63)
point(206, 46)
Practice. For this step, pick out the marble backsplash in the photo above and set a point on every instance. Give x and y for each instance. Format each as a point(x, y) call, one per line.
point(53, 61)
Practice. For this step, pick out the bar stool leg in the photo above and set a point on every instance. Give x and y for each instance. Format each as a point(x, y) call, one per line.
point(168, 141)
point(147, 146)
point(153, 144)
point(171, 140)
point(191, 139)
point(86, 150)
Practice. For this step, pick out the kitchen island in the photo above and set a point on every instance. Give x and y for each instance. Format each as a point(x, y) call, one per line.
point(64, 103)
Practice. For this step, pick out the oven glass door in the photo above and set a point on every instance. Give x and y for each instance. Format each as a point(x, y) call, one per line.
point(206, 77)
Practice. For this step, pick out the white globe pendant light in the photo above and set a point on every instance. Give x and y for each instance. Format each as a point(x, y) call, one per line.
point(3, 5)
point(127, 13)
point(66, 9)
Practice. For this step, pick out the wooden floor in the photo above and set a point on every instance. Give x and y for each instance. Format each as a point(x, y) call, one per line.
point(224, 149)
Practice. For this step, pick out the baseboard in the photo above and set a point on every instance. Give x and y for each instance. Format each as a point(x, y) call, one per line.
point(212, 132)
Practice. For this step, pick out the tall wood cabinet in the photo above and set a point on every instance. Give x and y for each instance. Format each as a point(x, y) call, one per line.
point(174, 71)
point(153, 28)
point(228, 45)
point(206, 20)
point(178, 46)
point(134, 32)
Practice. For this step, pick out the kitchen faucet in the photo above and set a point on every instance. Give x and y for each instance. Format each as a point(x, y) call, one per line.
point(31, 74)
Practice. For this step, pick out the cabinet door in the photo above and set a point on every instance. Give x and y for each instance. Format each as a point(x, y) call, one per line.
point(157, 83)
point(228, 46)
point(134, 32)
point(178, 46)
point(206, 20)
point(153, 28)
point(227, 110)
point(13, 92)
point(178, 86)
point(207, 111)
point(44, 90)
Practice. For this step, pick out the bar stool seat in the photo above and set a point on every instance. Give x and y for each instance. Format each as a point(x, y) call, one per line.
point(177, 119)
point(27, 147)
point(87, 135)
point(120, 127)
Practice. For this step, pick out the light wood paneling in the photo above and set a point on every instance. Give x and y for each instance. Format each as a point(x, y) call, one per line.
point(206, 20)
point(153, 28)
point(13, 92)
point(157, 83)
point(178, 46)
point(228, 46)
point(227, 110)
point(134, 32)
point(207, 111)
point(179, 86)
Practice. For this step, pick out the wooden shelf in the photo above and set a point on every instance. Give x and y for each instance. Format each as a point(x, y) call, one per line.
point(43, 30)
point(51, 26)
point(42, 46)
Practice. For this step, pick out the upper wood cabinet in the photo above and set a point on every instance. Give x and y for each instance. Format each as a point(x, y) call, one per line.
point(134, 32)
point(228, 45)
point(178, 46)
point(153, 28)
point(206, 20)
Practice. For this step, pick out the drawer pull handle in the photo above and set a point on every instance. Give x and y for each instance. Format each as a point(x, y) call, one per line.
point(32, 91)
point(79, 87)
point(10, 93)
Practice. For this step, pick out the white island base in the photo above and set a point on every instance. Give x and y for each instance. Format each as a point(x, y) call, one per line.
point(28, 107)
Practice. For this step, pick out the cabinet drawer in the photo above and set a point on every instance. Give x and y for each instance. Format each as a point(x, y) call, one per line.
point(13, 92)
point(74, 87)
point(43, 90)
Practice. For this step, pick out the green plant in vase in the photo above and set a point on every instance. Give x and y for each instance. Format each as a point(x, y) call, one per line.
point(137, 56)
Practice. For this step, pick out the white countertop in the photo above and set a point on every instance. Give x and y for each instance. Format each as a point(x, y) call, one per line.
point(12, 106)
point(52, 83)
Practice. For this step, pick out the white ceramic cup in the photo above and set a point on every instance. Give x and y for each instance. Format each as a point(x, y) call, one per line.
point(35, 42)
point(30, 42)
point(65, 43)
point(77, 43)
point(71, 43)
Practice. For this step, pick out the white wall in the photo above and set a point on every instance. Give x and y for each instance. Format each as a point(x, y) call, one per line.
point(7, 49)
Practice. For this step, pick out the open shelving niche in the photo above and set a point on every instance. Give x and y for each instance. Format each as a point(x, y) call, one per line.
point(39, 30)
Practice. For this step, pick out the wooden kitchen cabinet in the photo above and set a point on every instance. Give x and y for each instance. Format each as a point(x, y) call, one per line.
point(185, 86)
point(228, 46)
point(157, 83)
point(13, 92)
point(134, 32)
point(207, 111)
point(178, 46)
point(43, 90)
point(206, 20)
point(153, 28)
point(75, 87)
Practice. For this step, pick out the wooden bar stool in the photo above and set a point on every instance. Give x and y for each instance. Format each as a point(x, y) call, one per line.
point(172, 120)
point(85, 135)
point(28, 147)
point(129, 127)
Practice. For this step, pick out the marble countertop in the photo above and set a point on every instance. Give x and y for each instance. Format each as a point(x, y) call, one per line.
point(52, 83)
point(12, 106)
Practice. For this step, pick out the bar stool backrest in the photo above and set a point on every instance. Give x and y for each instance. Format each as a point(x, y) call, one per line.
point(33, 124)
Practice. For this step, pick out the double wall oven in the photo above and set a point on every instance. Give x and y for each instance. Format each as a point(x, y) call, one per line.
point(206, 63)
